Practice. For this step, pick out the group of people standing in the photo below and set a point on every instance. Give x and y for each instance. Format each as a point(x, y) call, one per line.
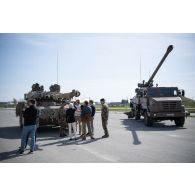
point(78, 117)
point(82, 117)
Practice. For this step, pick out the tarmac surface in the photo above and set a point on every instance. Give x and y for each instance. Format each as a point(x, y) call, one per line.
point(129, 141)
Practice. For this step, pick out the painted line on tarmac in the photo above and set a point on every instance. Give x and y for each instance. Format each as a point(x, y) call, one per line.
point(173, 135)
point(104, 157)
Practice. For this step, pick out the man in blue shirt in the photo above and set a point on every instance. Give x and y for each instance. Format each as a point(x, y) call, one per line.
point(92, 116)
point(85, 118)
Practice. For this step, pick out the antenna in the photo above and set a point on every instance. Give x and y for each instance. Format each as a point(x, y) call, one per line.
point(140, 67)
point(149, 73)
point(57, 67)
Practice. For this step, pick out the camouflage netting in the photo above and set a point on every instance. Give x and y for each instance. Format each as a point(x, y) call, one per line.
point(54, 88)
point(38, 93)
point(37, 87)
point(55, 96)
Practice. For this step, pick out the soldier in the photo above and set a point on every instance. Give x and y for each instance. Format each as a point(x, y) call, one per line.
point(104, 115)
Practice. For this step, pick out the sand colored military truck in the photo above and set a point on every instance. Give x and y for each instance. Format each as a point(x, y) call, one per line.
point(158, 103)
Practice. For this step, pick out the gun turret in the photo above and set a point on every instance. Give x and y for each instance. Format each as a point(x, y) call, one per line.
point(54, 94)
point(149, 83)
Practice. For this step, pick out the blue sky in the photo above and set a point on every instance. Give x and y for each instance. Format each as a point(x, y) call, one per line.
point(98, 65)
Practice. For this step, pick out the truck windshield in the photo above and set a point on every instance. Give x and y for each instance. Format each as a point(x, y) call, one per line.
point(162, 92)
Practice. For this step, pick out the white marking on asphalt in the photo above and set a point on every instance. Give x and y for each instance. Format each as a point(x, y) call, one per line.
point(173, 135)
point(102, 156)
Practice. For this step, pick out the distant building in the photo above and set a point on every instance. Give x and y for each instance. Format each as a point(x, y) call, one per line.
point(115, 104)
point(6, 104)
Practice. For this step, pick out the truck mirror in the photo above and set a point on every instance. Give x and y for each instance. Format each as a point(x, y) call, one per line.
point(183, 93)
point(25, 96)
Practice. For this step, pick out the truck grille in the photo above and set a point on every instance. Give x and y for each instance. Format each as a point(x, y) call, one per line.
point(170, 106)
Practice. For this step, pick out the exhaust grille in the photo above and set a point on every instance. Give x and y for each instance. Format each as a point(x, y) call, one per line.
point(170, 106)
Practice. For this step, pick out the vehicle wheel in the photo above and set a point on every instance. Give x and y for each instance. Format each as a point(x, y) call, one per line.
point(130, 114)
point(137, 116)
point(180, 121)
point(148, 120)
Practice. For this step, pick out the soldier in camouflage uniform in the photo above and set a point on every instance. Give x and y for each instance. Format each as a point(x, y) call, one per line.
point(104, 115)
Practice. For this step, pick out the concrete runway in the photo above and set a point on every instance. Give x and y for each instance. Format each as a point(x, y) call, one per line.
point(129, 141)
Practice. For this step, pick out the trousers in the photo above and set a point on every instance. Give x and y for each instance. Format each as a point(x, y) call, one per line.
point(78, 121)
point(84, 124)
point(28, 130)
point(104, 125)
point(72, 126)
point(91, 125)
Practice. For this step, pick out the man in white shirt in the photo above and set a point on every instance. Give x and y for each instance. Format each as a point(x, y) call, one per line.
point(77, 115)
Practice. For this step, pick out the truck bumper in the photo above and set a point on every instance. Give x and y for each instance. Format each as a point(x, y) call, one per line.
point(169, 115)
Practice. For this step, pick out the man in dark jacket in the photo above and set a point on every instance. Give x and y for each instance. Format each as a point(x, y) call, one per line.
point(85, 118)
point(70, 119)
point(30, 119)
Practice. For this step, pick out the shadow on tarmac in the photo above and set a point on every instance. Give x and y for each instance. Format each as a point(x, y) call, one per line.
point(10, 132)
point(15, 132)
point(65, 142)
point(12, 154)
point(43, 134)
point(8, 155)
point(79, 141)
point(138, 125)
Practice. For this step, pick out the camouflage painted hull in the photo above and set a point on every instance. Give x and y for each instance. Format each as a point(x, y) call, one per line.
point(49, 103)
point(51, 115)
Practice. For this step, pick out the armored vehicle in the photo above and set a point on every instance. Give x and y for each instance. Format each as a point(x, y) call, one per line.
point(158, 103)
point(51, 104)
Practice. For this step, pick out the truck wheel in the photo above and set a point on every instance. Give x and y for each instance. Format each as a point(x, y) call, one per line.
point(148, 120)
point(180, 121)
point(137, 115)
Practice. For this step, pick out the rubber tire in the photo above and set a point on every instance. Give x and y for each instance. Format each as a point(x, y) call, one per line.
point(180, 121)
point(148, 120)
point(137, 116)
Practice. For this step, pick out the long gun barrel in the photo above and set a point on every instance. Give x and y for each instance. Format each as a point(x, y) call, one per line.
point(150, 81)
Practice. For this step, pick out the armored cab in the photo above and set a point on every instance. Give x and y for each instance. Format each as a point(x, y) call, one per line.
point(158, 103)
point(51, 104)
